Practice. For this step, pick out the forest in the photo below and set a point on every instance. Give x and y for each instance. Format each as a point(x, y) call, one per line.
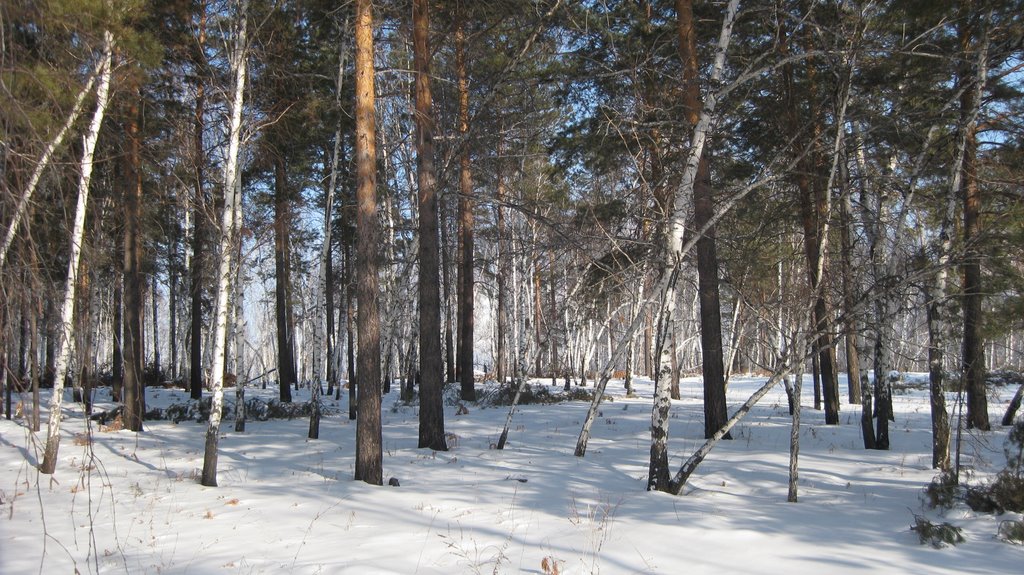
point(333, 198)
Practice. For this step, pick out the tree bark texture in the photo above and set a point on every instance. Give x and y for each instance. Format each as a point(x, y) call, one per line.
point(49, 462)
point(466, 259)
point(431, 415)
point(369, 451)
point(712, 358)
point(226, 267)
point(199, 221)
point(286, 371)
point(134, 301)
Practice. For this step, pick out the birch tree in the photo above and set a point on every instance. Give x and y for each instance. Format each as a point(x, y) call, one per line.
point(671, 259)
point(67, 314)
point(44, 161)
point(232, 191)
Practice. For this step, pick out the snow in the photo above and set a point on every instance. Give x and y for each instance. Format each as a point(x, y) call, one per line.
point(131, 503)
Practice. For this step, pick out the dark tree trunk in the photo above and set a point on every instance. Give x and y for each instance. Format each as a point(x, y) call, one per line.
point(803, 109)
point(350, 331)
point(172, 299)
point(465, 352)
point(153, 300)
point(50, 330)
point(369, 451)
point(974, 341)
point(431, 361)
point(446, 286)
point(198, 222)
point(329, 291)
point(117, 321)
point(282, 291)
point(134, 301)
point(715, 407)
point(502, 279)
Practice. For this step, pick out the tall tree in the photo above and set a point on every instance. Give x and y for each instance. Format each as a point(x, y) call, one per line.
point(715, 408)
point(237, 58)
point(134, 301)
point(972, 38)
point(369, 451)
point(49, 463)
point(431, 359)
point(466, 262)
point(198, 210)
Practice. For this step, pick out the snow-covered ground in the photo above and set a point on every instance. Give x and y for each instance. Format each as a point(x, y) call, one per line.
point(131, 503)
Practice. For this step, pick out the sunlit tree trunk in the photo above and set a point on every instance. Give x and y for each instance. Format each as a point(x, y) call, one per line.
point(369, 451)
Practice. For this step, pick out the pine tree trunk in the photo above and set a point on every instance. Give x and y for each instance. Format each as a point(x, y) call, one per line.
point(199, 224)
point(466, 289)
point(431, 415)
point(369, 451)
point(936, 317)
point(501, 335)
point(67, 315)
point(172, 298)
point(282, 290)
point(715, 409)
point(232, 196)
point(134, 301)
point(973, 339)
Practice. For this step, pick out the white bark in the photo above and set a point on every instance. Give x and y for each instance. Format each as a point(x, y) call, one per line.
point(44, 161)
point(227, 243)
point(68, 307)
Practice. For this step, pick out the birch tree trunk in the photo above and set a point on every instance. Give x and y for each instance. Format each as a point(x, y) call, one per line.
point(44, 162)
point(671, 260)
point(238, 57)
point(794, 442)
point(67, 315)
point(666, 277)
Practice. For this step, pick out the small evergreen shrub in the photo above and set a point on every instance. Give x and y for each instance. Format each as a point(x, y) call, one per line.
point(942, 491)
point(1006, 491)
point(1012, 531)
point(938, 536)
